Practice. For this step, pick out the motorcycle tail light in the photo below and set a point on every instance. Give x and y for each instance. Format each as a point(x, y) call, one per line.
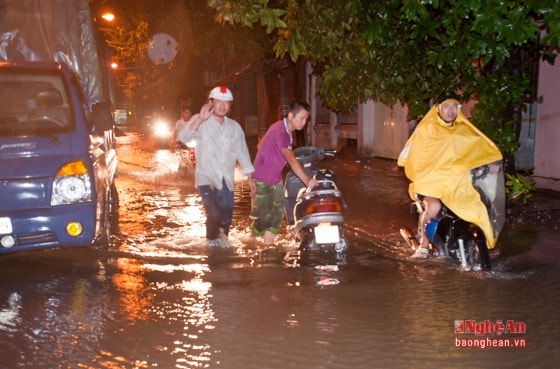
point(324, 207)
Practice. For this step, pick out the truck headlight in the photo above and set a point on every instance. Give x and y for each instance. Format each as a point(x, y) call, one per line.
point(71, 185)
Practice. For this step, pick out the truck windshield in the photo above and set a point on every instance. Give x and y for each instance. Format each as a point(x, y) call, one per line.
point(32, 102)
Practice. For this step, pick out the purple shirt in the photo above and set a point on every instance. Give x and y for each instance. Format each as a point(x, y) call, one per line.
point(269, 162)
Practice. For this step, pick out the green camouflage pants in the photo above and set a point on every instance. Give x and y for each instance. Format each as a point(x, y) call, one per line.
point(267, 208)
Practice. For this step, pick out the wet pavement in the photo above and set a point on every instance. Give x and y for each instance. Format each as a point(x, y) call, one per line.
point(543, 208)
point(158, 298)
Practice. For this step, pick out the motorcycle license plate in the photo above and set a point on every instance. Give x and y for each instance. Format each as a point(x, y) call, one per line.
point(326, 234)
point(5, 225)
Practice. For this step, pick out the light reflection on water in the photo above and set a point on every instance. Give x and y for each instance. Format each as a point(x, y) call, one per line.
point(159, 298)
point(384, 311)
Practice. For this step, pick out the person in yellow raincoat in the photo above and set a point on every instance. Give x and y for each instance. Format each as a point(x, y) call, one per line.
point(437, 159)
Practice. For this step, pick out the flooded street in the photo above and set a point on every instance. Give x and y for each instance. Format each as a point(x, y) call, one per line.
point(158, 298)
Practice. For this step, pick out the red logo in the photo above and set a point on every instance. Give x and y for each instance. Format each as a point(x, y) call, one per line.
point(459, 326)
point(498, 327)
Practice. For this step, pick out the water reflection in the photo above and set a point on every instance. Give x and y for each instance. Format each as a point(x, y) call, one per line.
point(9, 314)
point(133, 292)
point(376, 309)
point(157, 298)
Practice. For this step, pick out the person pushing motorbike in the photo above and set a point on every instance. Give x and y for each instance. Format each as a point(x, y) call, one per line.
point(437, 159)
point(274, 151)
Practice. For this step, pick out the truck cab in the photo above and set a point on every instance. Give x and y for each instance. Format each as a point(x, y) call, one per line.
point(57, 160)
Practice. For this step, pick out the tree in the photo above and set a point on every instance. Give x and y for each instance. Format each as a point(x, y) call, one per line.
point(223, 48)
point(409, 51)
point(144, 83)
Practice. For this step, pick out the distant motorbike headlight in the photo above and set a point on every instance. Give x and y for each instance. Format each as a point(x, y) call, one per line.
point(71, 189)
point(162, 129)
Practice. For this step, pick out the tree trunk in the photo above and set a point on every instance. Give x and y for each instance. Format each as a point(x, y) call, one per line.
point(514, 110)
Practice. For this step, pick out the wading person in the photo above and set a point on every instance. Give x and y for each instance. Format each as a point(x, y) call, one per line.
point(220, 145)
point(184, 116)
point(437, 159)
point(274, 150)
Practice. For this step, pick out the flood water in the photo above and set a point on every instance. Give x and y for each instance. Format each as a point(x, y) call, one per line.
point(157, 298)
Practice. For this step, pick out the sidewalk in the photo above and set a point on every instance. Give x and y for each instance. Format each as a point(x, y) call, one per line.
point(542, 208)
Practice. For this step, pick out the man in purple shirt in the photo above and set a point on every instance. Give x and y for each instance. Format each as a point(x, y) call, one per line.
point(274, 150)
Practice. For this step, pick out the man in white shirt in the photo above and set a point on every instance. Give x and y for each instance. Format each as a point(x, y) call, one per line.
point(220, 145)
point(185, 116)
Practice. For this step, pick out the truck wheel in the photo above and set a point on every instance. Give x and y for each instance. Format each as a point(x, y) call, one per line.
point(113, 206)
point(111, 217)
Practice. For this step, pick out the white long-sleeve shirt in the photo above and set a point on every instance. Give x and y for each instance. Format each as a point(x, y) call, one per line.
point(219, 147)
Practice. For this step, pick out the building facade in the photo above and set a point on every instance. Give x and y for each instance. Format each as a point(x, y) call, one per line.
point(374, 129)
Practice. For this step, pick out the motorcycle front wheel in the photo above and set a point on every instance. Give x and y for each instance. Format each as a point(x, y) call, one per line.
point(477, 256)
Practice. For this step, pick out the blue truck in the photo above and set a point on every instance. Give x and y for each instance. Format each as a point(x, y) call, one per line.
point(58, 158)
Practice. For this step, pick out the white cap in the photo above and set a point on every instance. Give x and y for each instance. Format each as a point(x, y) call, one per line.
point(221, 93)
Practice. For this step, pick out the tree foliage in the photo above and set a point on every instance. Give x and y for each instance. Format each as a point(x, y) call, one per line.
point(222, 47)
point(409, 51)
point(145, 83)
point(219, 47)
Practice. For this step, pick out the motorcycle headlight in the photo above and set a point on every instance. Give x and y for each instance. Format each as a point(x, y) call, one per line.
point(162, 129)
point(191, 143)
point(71, 189)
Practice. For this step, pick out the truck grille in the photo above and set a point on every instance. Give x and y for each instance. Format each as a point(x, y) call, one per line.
point(36, 238)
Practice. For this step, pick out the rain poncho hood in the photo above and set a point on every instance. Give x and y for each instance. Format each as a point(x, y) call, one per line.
point(437, 159)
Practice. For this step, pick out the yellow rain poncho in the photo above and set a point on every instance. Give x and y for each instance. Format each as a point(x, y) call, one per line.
point(437, 159)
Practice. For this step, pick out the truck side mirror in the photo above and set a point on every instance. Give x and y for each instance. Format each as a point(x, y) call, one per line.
point(102, 117)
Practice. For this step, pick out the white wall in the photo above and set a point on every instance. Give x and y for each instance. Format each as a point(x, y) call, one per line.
point(547, 133)
point(391, 130)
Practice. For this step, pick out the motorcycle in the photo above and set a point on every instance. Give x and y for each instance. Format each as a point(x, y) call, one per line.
point(160, 131)
point(186, 157)
point(462, 241)
point(186, 152)
point(315, 216)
